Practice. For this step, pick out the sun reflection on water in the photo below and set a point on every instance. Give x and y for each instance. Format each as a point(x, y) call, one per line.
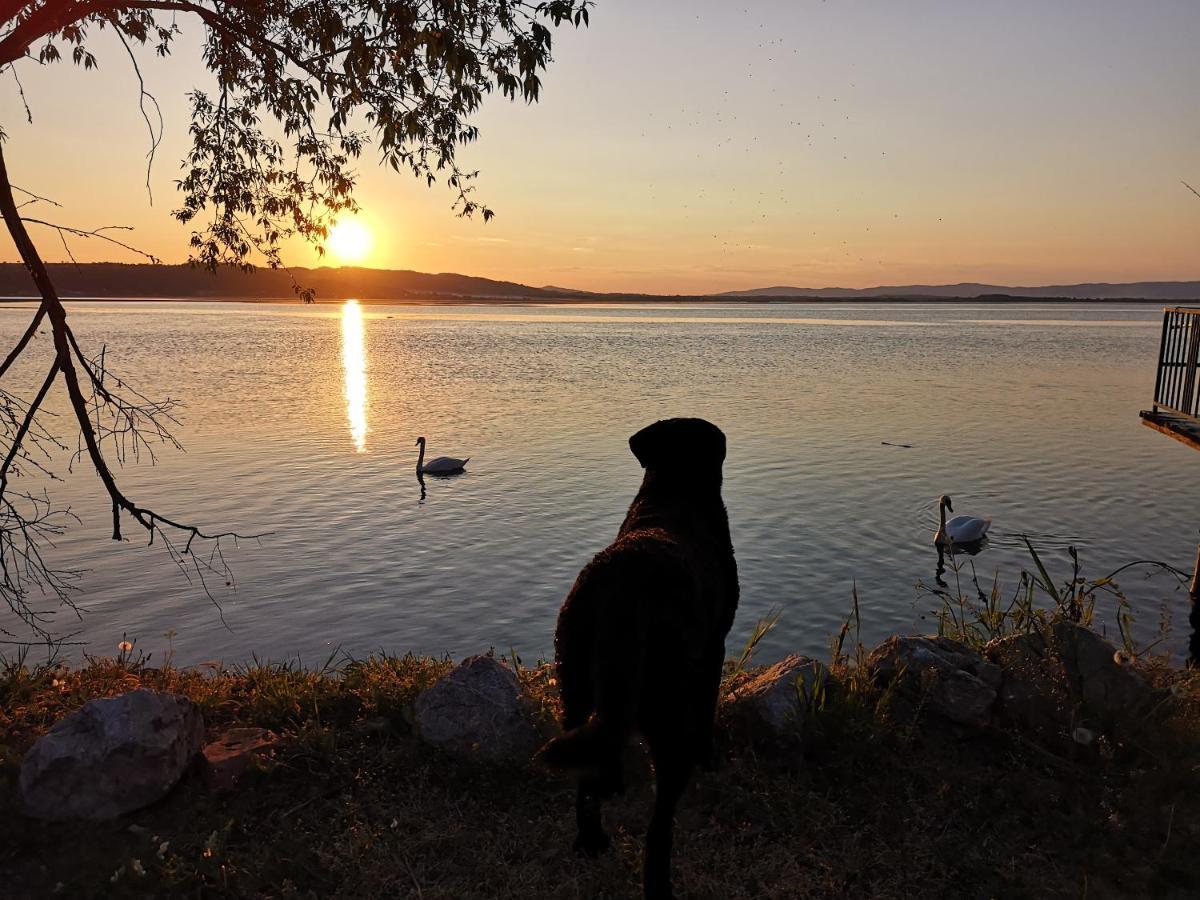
point(354, 361)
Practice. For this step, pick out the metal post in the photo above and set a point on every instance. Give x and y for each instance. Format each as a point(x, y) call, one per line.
point(1194, 617)
point(1162, 350)
point(1195, 589)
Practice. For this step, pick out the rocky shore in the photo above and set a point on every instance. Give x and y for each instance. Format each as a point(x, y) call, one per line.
point(1042, 762)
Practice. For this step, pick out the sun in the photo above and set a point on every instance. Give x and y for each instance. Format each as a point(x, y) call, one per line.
point(350, 241)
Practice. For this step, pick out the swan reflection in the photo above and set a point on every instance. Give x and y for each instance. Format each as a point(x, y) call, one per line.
point(968, 548)
point(354, 362)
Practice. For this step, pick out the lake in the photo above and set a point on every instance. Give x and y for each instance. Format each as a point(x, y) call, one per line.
point(300, 422)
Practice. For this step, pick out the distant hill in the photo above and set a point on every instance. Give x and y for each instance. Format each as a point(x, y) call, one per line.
point(1166, 291)
point(147, 281)
point(120, 280)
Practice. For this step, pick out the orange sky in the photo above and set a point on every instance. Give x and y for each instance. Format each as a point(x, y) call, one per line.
point(694, 147)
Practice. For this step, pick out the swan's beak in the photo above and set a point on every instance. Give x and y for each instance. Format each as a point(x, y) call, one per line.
point(948, 506)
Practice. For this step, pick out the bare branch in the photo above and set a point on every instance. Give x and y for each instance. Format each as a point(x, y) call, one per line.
point(15, 449)
point(21, 91)
point(35, 197)
point(93, 233)
point(23, 342)
point(124, 423)
point(143, 95)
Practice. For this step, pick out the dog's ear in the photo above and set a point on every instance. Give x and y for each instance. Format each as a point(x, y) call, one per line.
point(683, 443)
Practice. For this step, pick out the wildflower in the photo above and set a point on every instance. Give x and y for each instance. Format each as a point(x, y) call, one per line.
point(1083, 735)
point(137, 868)
point(1123, 658)
point(124, 646)
point(162, 849)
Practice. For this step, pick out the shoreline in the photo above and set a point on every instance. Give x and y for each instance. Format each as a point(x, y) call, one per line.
point(623, 300)
point(885, 783)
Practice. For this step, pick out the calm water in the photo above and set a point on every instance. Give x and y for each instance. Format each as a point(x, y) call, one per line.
point(301, 422)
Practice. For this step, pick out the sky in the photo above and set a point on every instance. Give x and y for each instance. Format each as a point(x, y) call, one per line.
point(693, 147)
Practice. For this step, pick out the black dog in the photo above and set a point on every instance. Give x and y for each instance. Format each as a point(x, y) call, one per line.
point(641, 637)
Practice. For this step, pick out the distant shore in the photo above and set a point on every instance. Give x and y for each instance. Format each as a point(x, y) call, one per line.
point(630, 300)
point(120, 281)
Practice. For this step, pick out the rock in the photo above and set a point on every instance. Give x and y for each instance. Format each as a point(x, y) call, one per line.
point(476, 711)
point(948, 678)
point(770, 707)
point(1069, 674)
point(1065, 681)
point(1033, 694)
point(1106, 688)
point(228, 757)
point(112, 756)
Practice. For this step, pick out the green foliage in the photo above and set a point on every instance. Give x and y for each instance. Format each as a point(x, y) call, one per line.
point(974, 616)
point(737, 667)
point(302, 87)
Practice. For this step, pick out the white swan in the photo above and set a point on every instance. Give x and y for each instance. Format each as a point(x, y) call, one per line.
point(443, 465)
point(960, 529)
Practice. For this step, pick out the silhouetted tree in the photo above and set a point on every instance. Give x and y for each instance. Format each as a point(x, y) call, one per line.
point(301, 88)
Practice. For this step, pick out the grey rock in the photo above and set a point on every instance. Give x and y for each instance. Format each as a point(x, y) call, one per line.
point(112, 756)
point(1033, 694)
point(476, 711)
point(947, 677)
point(772, 705)
point(1107, 689)
point(1066, 675)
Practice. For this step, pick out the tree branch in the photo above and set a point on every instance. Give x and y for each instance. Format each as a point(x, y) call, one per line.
point(93, 233)
point(46, 20)
point(15, 449)
point(155, 139)
point(24, 340)
point(66, 352)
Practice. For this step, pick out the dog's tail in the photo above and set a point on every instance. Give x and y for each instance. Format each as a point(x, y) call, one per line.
point(590, 751)
point(588, 748)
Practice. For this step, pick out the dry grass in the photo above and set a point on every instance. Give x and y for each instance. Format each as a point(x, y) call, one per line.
point(354, 806)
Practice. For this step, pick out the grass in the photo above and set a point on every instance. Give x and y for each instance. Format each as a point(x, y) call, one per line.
point(975, 616)
point(353, 805)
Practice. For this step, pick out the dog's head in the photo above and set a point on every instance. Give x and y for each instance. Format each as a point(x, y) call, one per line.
point(692, 445)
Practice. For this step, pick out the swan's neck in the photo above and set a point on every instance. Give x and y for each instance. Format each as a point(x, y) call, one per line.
point(942, 525)
point(421, 465)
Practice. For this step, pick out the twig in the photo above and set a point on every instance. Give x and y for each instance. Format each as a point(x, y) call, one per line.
point(413, 875)
point(21, 90)
point(36, 197)
point(15, 449)
point(155, 140)
point(1167, 839)
point(95, 232)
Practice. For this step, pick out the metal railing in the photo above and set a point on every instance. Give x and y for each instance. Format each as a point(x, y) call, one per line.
point(1177, 387)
